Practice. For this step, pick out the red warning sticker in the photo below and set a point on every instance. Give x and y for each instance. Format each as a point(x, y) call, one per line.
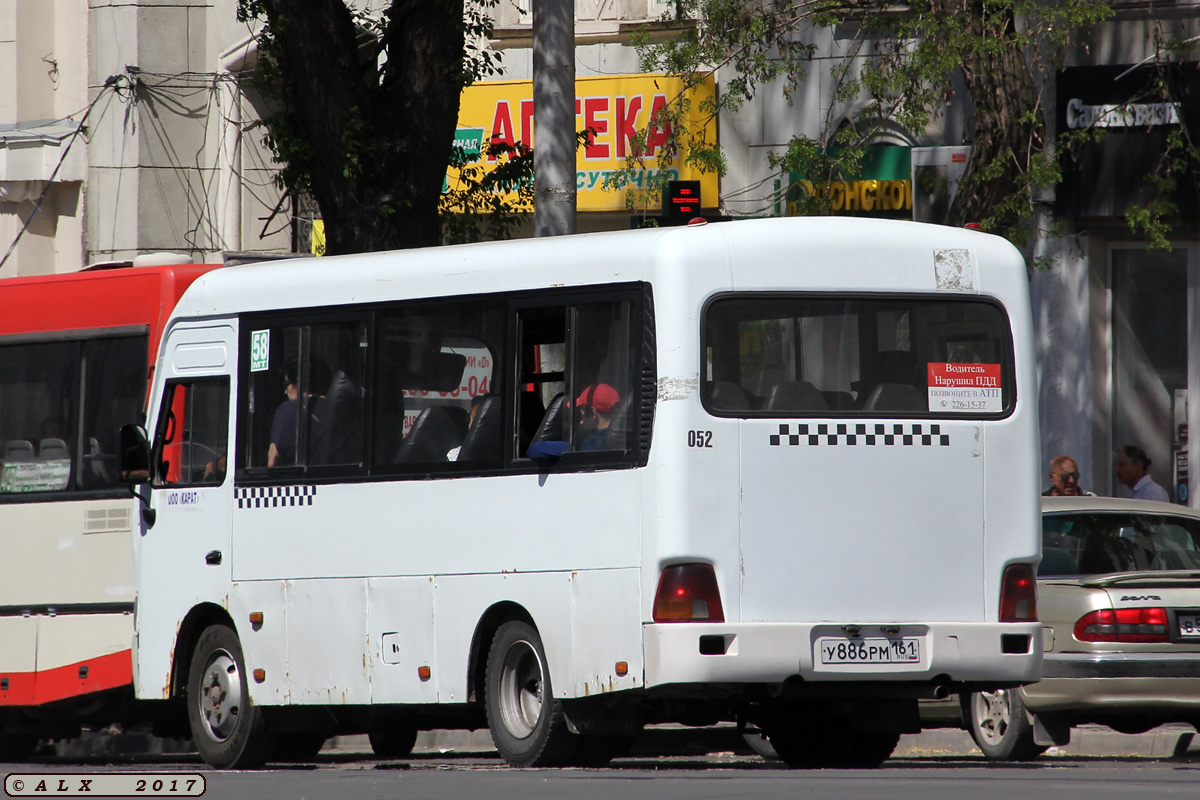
point(964, 388)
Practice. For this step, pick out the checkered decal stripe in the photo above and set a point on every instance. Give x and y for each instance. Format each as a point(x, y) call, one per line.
point(275, 496)
point(866, 434)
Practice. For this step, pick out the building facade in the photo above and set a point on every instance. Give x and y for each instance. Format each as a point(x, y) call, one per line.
point(128, 128)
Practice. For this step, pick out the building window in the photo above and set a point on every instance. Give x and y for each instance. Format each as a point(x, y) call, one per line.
point(1150, 356)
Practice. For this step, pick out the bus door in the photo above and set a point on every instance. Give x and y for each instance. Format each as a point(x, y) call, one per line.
point(191, 490)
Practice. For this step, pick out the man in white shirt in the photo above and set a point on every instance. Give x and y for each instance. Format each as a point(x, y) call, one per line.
point(1131, 465)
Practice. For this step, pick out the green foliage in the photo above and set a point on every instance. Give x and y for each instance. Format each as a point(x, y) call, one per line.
point(488, 204)
point(1151, 219)
point(895, 68)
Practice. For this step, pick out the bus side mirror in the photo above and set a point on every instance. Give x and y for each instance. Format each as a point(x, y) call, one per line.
point(133, 459)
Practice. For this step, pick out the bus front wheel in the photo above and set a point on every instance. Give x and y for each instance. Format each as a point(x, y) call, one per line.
point(229, 731)
point(528, 726)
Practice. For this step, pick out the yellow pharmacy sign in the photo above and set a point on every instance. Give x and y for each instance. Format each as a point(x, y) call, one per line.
point(615, 110)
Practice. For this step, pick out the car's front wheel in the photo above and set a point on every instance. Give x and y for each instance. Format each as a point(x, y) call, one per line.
point(1000, 725)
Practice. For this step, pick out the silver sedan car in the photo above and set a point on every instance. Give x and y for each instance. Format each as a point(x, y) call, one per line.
point(1119, 600)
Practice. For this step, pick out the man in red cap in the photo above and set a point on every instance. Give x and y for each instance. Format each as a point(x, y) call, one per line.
point(595, 406)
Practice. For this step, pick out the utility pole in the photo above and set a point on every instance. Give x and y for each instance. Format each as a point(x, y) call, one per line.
point(554, 117)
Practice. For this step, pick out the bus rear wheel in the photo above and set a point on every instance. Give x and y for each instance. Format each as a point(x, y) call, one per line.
point(17, 747)
point(831, 743)
point(394, 741)
point(528, 726)
point(229, 731)
point(298, 747)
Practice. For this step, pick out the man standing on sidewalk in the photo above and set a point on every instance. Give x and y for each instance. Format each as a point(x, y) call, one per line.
point(1064, 479)
point(1131, 465)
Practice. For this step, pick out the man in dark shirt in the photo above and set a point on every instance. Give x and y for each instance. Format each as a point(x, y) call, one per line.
point(284, 425)
point(1064, 479)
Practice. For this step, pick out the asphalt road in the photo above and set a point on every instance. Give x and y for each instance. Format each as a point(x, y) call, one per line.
point(344, 772)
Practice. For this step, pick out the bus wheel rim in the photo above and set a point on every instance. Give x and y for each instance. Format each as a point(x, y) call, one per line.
point(522, 680)
point(221, 696)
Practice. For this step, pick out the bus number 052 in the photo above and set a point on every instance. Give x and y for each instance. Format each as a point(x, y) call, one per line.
point(699, 438)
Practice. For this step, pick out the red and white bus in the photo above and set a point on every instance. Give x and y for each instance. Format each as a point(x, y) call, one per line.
point(76, 355)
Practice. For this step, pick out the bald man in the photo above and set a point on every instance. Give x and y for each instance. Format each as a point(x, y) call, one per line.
point(1064, 479)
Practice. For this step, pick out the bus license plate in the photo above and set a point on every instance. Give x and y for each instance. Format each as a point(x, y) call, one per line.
point(839, 650)
point(1189, 625)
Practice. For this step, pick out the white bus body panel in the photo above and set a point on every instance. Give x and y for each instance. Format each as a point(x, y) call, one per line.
point(838, 531)
point(373, 580)
point(173, 575)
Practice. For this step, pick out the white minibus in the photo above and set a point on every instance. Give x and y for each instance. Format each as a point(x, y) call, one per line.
point(777, 472)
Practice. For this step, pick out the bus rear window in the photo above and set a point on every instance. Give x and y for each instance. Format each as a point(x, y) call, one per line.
point(778, 355)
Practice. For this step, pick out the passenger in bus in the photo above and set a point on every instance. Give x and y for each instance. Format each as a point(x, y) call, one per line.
point(593, 411)
point(214, 471)
point(476, 402)
point(595, 406)
point(282, 451)
point(1064, 479)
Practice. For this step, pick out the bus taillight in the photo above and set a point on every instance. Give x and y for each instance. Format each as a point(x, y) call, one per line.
point(688, 593)
point(1018, 594)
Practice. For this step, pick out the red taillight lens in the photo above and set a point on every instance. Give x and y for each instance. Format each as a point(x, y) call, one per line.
point(688, 593)
point(1018, 594)
point(1123, 625)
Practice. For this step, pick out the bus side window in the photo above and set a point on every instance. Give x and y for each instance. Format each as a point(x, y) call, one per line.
point(579, 361)
point(436, 399)
point(193, 434)
point(305, 395)
point(339, 430)
point(114, 391)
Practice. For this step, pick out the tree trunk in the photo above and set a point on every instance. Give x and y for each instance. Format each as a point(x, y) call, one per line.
point(376, 138)
point(1009, 129)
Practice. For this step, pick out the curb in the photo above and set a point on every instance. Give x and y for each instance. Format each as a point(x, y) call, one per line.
point(1094, 741)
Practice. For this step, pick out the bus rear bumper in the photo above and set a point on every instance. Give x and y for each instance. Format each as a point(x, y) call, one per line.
point(944, 652)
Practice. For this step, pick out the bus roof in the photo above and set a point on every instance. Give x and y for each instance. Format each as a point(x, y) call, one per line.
point(94, 299)
point(818, 253)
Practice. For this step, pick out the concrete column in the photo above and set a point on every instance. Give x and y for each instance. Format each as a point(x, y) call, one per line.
point(554, 112)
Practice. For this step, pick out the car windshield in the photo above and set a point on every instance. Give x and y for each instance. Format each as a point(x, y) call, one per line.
point(1085, 544)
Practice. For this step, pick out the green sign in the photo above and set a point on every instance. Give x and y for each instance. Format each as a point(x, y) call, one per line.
point(882, 189)
point(470, 141)
point(260, 351)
